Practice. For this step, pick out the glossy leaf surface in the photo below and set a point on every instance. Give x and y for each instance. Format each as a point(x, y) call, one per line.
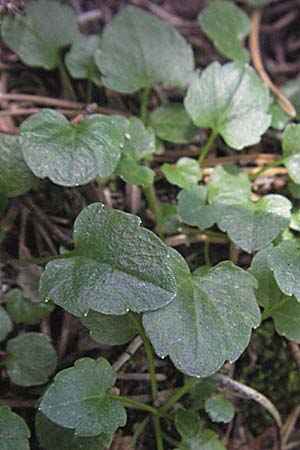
point(138, 50)
point(79, 398)
point(220, 308)
point(116, 266)
point(70, 155)
point(232, 101)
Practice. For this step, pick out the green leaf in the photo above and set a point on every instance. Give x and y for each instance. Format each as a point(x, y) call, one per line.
point(14, 433)
point(193, 208)
point(283, 309)
point(254, 225)
point(250, 225)
point(53, 437)
point(109, 329)
point(6, 325)
point(172, 123)
point(23, 310)
point(294, 189)
point(226, 25)
point(186, 172)
point(291, 90)
point(80, 59)
point(15, 176)
point(80, 399)
point(284, 261)
point(279, 117)
point(128, 269)
point(291, 151)
point(219, 409)
point(232, 101)
point(228, 182)
point(70, 155)
point(37, 36)
point(169, 220)
point(139, 144)
point(187, 423)
point(139, 50)
point(208, 441)
point(30, 359)
point(219, 307)
point(203, 389)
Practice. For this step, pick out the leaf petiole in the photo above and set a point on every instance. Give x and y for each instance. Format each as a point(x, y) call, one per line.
point(276, 163)
point(205, 149)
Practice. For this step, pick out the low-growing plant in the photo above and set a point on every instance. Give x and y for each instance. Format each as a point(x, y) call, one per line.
point(121, 279)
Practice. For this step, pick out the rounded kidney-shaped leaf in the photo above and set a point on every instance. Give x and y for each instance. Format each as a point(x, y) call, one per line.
point(232, 101)
point(116, 266)
point(185, 173)
point(226, 25)
point(291, 151)
point(220, 309)
point(284, 261)
point(219, 409)
point(282, 308)
point(23, 310)
point(193, 208)
point(15, 176)
point(14, 433)
point(30, 359)
point(138, 50)
point(80, 59)
point(5, 324)
point(70, 155)
point(37, 36)
point(109, 329)
point(80, 399)
point(187, 423)
point(53, 437)
point(172, 123)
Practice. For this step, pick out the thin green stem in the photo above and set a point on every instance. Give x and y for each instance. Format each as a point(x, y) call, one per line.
point(205, 149)
point(178, 394)
point(65, 78)
point(154, 387)
point(144, 105)
point(138, 431)
point(171, 441)
point(208, 233)
point(134, 404)
point(41, 260)
point(155, 208)
point(276, 163)
point(158, 433)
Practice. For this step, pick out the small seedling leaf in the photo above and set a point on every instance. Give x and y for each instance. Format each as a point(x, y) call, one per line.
point(79, 398)
point(226, 25)
point(172, 123)
point(14, 433)
point(30, 359)
point(219, 409)
point(232, 101)
point(184, 174)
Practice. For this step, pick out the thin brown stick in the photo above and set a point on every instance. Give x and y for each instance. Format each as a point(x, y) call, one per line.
point(29, 111)
point(252, 394)
point(129, 352)
point(254, 45)
point(48, 101)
